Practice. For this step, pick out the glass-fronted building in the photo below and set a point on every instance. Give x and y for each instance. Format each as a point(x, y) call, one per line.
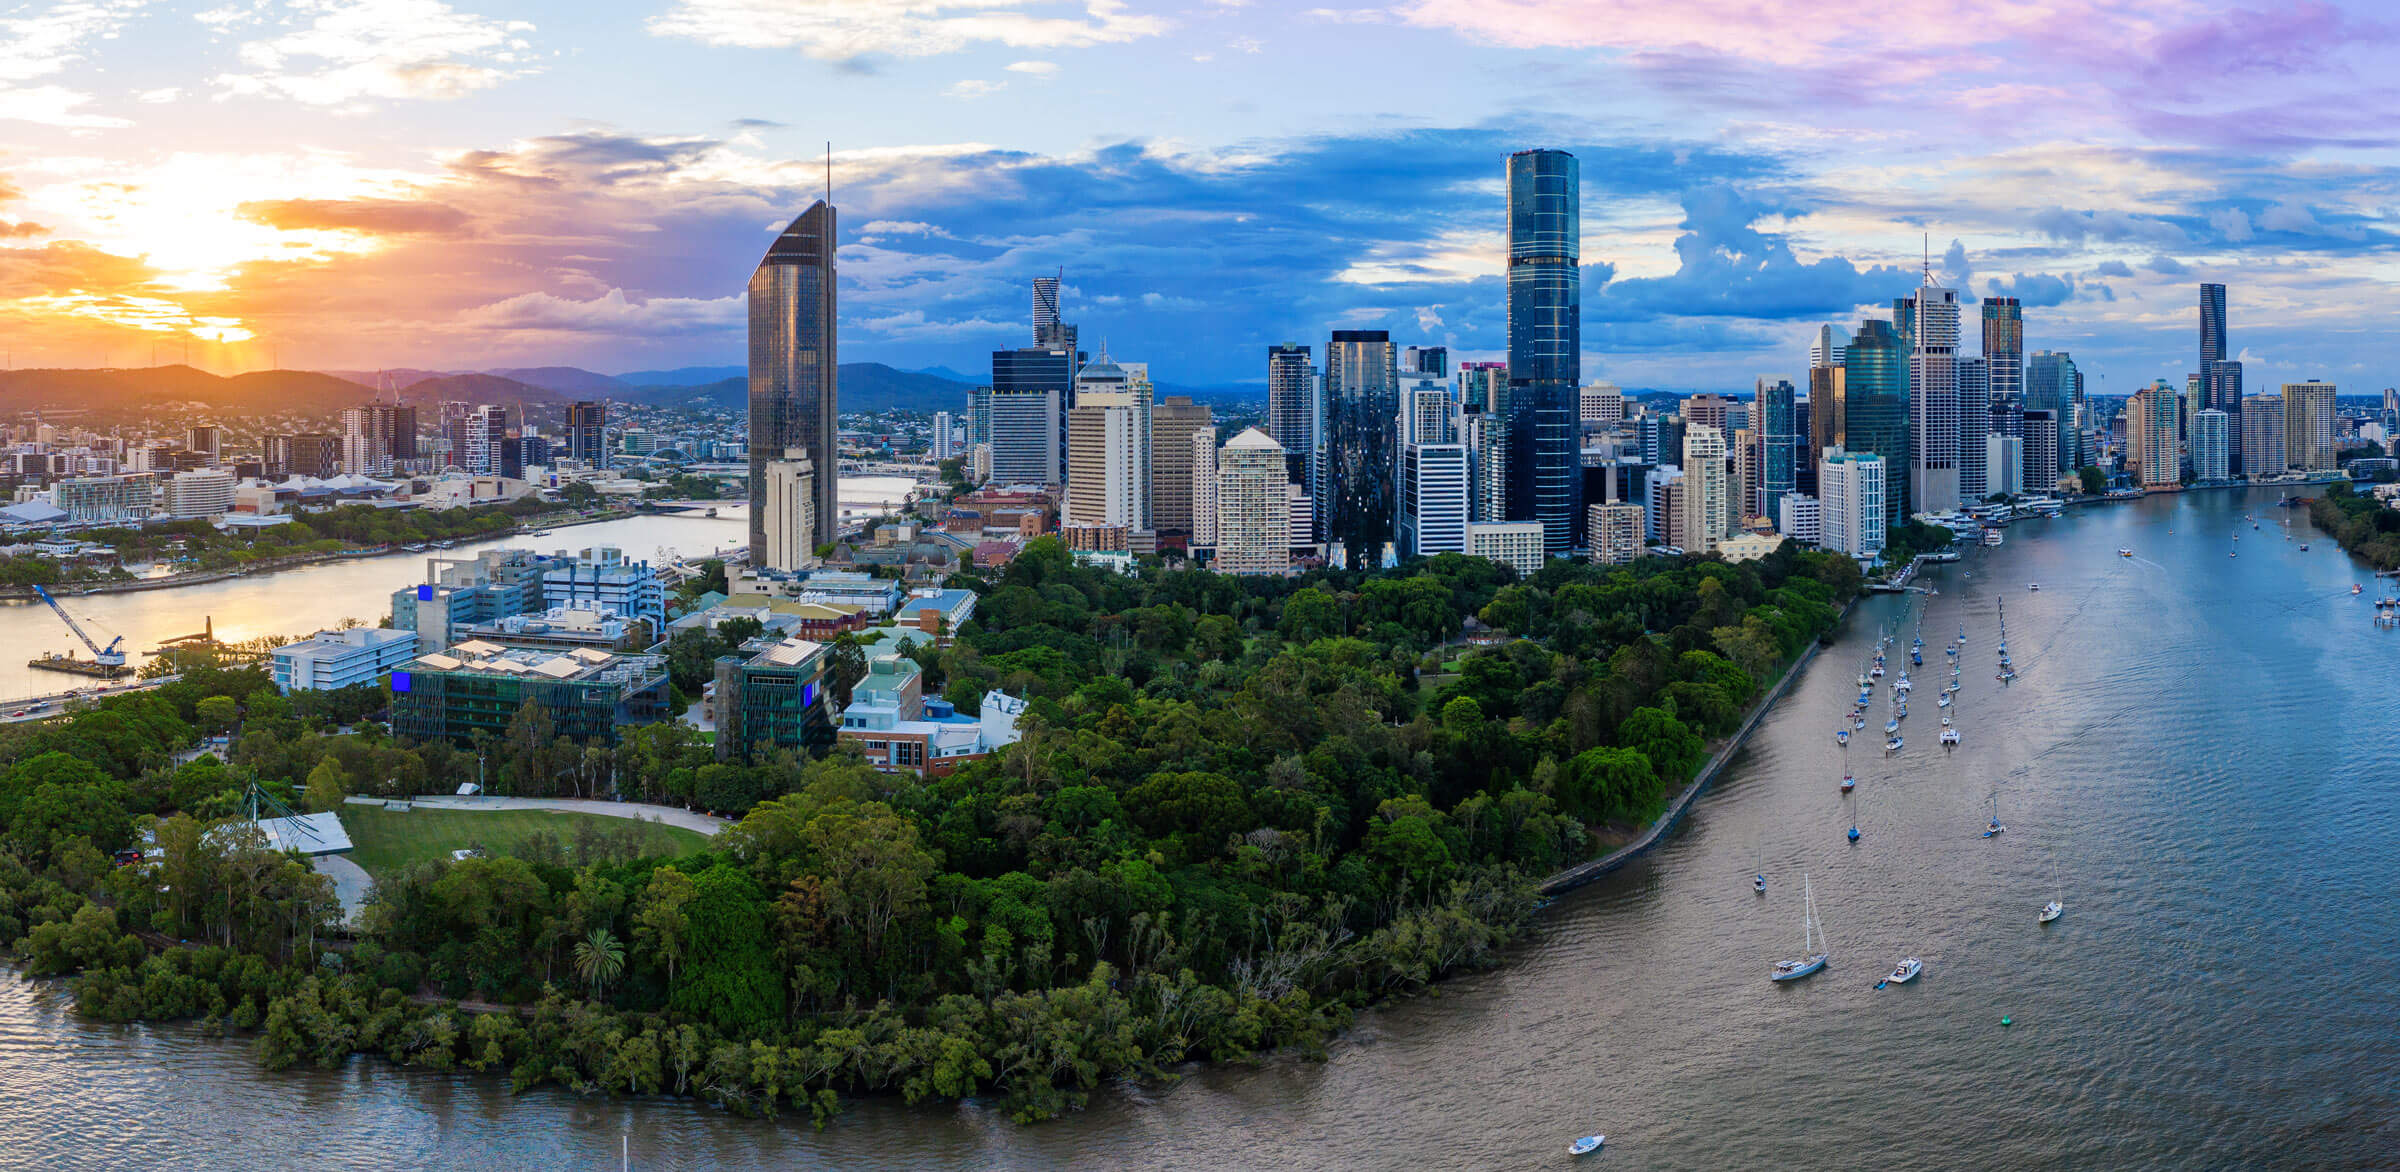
point(1875, 408)
point(792, 363)
point(1545, 345)
point(479, 687)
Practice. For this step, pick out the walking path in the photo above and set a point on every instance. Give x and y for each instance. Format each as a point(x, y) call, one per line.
point(638, 811)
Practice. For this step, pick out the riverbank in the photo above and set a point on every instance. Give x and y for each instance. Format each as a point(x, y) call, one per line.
point(1664, 825)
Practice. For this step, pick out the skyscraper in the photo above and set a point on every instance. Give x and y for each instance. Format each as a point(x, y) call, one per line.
point(1433, 499)
point(1203, 489)
point(1776, 436)
point(1602, 404)
point(2212, 454)
point(1853, 515)
point(791, 524)
point(792, 364)
point(2212, 324)
point(2151, 418)
point(587, 422)
point(1483, 387)
point(2308, 426)
point(1545, 345)
point(1173, 423)
point(2053, 384)
point(2220, 377)
point(1825, 422)
point(1707, 516)
point(1362, 456)
point(2262, 424)
point(2003, 348)
point(1029, 381)
point(1977, 424)
point(1929, 318)
point(1049, 333)
point(1112, 387)
point(2040, 453)
point(1292, 408)
point(1253, 506)
point(1876, 415)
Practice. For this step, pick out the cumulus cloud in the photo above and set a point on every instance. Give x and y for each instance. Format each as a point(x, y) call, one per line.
point(1036, 68)
point(41, 40)
point(840, 30)
point(2231, 223)
point(610, 315)
point(2105, 225)
point(972, 88)
point(2114, 268)
point(2165, 266)
point(2037, 290)
point(1727, 267)
point(358, 51)
point(2284, 217)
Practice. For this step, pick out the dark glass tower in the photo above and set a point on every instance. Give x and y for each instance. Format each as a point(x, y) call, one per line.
point(1778, 438)
point(1292, 409)
point(587, 424)
point(1545, 346)
point(2220, 380)
point(1362, 447)
point(2212, 324)
point(792, 368)
point(1875, 408)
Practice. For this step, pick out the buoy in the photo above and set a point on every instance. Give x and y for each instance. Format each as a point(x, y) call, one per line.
point(2004, 1021)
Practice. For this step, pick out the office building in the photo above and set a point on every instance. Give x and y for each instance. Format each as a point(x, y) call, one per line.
point(1024, 430)
point(1661, 438)
point(1483, 387)
point(1602, 404)
point(478, 687)
point(1545, 345)
point(2040, 471)
point(1361, 450)
point(2004, 465)
point(1173, 424)
point(1427, 414)
point(771, 694)
point(604, 578)
point(1875, 414)
point(1254, 509)
point(2152, 420)
point(1519, 545)
point(1485, 436)
point(1294, 411)
point(979, 417)
point(587, 431)
point(2262, 435)
point(1708, 411)
point(372, 436)
point(1107, 441)
point(314, 454)
point(1434, 499)
point(1802, 519)
point(1826, 352)
point(1994, 417)
point(1929, 319)
point(2003, 353)
point(793, 359)
point(1707, 516)
point(790, 500)
point(1852, 512)
point(2307, 426)
point(331, 660)
point(1202, 491)
point(1049, 333)
point(1778, 442)
point(1616, 530)
point(2212, 445)
point(2052, 383)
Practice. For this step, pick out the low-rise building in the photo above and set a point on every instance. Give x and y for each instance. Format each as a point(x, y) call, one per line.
point(1515, 544)
point(566, 628)
point(770, 695)
point(937, 613)
point(1746, 547)
point(1616, 533)
point(479, 686)
point(897, 729)
point(330, 660)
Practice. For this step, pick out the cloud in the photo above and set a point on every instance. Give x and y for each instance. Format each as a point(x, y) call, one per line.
point(2284, 217)
point(2231, 223)
point(359, 51)
point(1429, 318)
point(841, 30)
point(2165, 266)
point(37, 41)
point(972, 89)
point(1728, 268)
point(373, 216)
point(612, 314)
point(1956, 265)
point(2107, 225)
point(1036, 68)
point(52, 105)
point(2037, 290)
point(2114, 268)
point(159, 97)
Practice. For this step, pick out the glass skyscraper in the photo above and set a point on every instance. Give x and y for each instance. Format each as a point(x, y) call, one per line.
point(1292, 409)
point(1875, 408)
point(1778, 443)
point(792, 365)
point(2221, 379)
point(1545, 345)
point(2051, 385)
point(1362, 447)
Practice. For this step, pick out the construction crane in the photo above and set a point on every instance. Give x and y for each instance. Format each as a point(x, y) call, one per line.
point(107, 657)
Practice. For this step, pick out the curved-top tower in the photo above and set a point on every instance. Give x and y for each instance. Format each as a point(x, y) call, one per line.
point(792, 368)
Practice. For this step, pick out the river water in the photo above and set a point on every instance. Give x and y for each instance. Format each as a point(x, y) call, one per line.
point(2197, 759)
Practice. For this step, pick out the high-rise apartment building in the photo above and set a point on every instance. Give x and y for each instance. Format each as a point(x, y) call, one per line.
point(2220, 377)
point(1294, 412)
point(2003, 356)
point(1616, 533)
point(2041, 462)
point(2212, 445)
point(2152, 419)
point(1602, 404)
point(2308, 426)
point(1545, 345)
point(941, 441)
point(2052, 383)
point(1851, 508)
point(314, 454)
point(1173, 423)
point(1875, 412)
point(1778, 439)
point(1708, 411)
point(587, 432)
point(1361, 496)
point(207, 439)
point(1707, 518)
point(2262, 435)
point(1929, 319)
point(1253, 506)
point(1483, 387)
point(793, 360)
point(1975, 423)
point(791, 503)
point(1427, 414)
point(1485, 437)
point(2004, 465)
point(1203, 490)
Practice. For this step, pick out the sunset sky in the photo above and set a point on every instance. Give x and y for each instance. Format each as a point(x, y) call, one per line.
point(369, 183)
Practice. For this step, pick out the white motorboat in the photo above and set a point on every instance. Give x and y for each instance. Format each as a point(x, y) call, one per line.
point(1893, 745)
point(1892, 725)
point(1904, 972)
point(1587, 1145)
point(1944, 701)
point(1949, 738)
point(1813, 953)
point(1841, 736)
point(2053, 910)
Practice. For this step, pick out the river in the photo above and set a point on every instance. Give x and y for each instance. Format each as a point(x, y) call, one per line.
point(2197, 759)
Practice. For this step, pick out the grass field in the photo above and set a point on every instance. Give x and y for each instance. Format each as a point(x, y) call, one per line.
point(386, 840)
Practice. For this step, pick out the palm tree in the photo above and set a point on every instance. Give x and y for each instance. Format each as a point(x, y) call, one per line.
point(599, 960)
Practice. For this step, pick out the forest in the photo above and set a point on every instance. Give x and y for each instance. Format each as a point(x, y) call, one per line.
point(2360, 523)
point(1241, 810)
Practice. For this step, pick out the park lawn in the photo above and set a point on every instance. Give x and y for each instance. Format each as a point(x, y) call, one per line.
point(386, 840)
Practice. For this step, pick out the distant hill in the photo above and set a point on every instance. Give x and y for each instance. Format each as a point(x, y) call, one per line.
point(952, 375)
point(291, 390)
point(403, 378)
point(566, 380)
point(685, 376)
point(1217, 392)
point(478, 388)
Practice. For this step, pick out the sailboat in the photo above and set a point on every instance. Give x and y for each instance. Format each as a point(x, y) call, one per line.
point(1813, 953)
point(1995, 828)
point(2056, 907)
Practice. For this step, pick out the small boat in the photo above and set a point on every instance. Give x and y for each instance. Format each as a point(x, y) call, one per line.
point(1849, 782)
point(1893, 745)
point(1944, 702)
point(1859, 723)
point(2355, 588)
point(1587, 1145)
point(1892, 725)
point(1841, 736)
point(1878, 672)
point(1903, 973)
point(1994, 829)
point(2034, 586)
point(1917, 658)
point(1862, 679)
point(2235, 553)
point(1759, 882)
point(2304, 547)
point(1813, 954)
point(2124, 552)
point(1854, 834)
point(2053, 910)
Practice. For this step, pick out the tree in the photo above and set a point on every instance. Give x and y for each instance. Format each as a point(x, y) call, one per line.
point(2093, 481)
point(217, 713)
point(579, 494)
point(599, 960)
point(325, 786)
point(659, 919)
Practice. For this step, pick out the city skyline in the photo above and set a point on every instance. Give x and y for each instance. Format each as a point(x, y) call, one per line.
point(432, 184)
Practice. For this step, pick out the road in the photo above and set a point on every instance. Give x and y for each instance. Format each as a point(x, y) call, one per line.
point(19, 709)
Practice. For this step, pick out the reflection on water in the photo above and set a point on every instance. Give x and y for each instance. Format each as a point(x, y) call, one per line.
point(2197, 759)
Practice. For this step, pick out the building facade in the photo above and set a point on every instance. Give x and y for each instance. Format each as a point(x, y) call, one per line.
point(1173, 425)
point(2307, 426)
point(1617, 533)
point(1254, 518)
point(1875, 413)
point(331, 660)
point(1545, 345)
point(1519, 545)
point(790, 499)
point(1433, 499)
point(793, 360)
point(1852, 512)
point(2212, 445)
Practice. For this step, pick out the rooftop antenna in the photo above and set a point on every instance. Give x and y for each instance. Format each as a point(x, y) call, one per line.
point(1929, 258)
